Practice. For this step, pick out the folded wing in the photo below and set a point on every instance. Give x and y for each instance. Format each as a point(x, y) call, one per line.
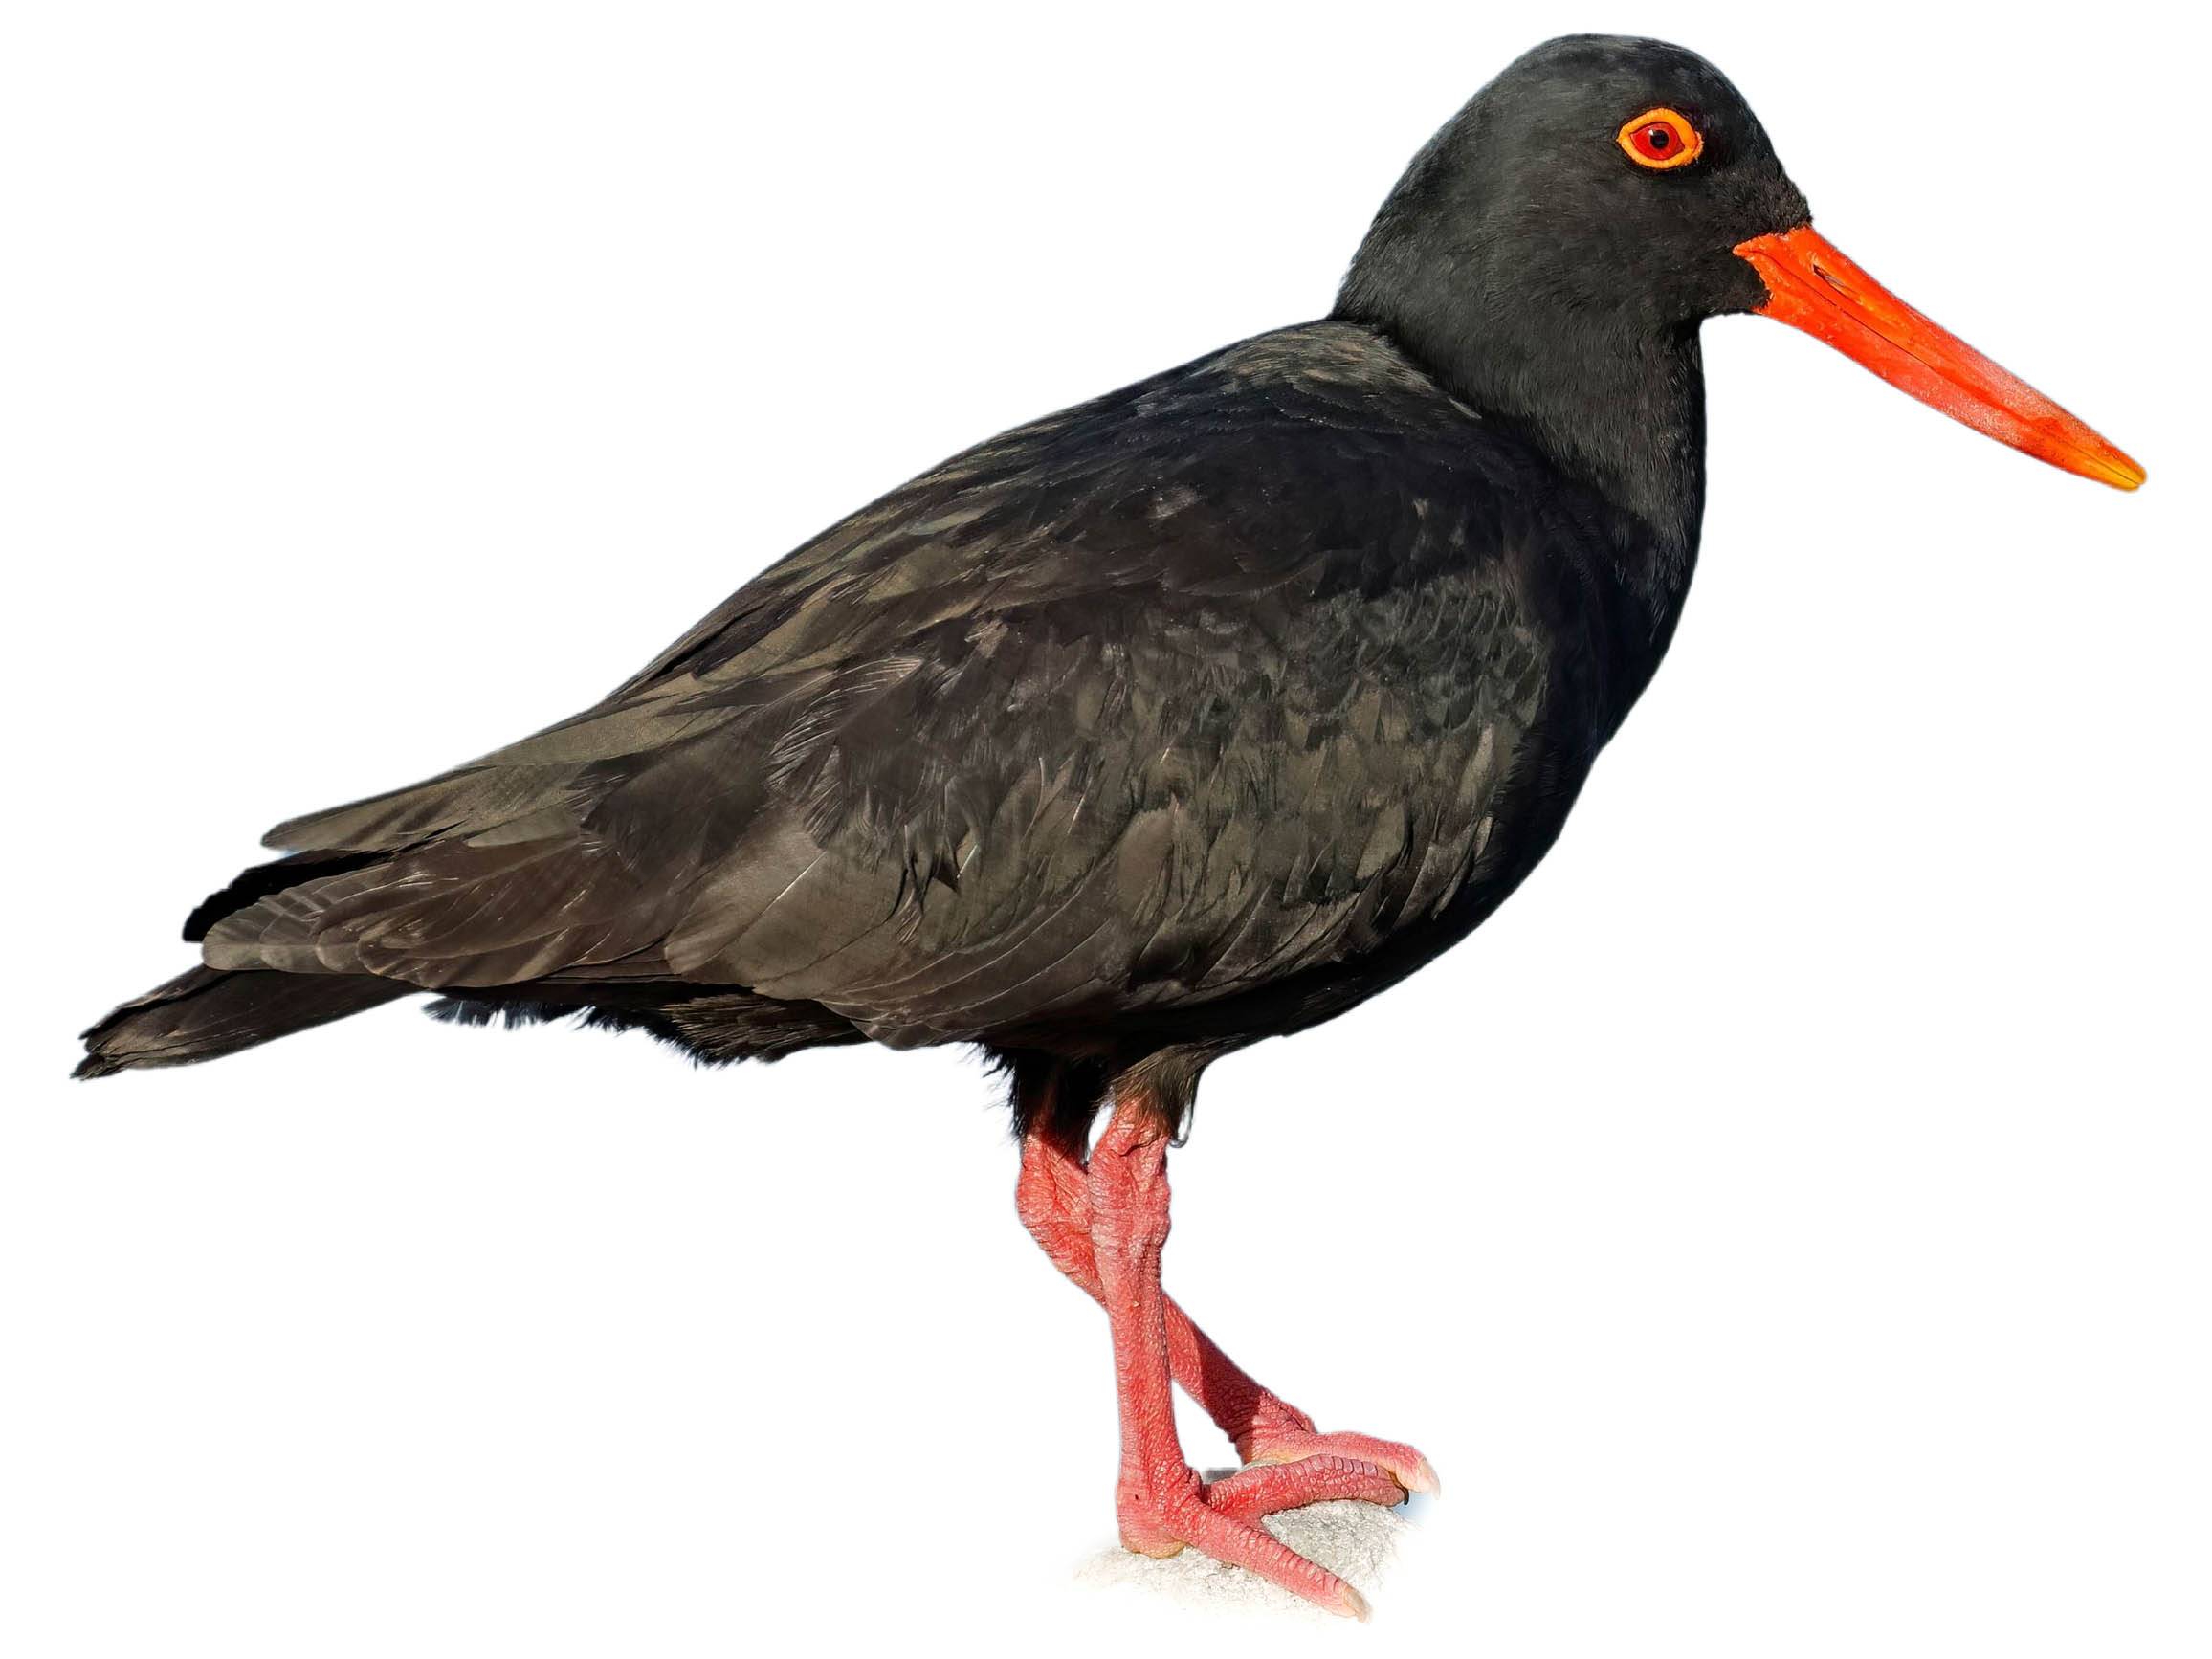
point(1210, 682)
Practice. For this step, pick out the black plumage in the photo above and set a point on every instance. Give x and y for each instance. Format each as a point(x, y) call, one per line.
point(1189, 715)
point(1206, 704)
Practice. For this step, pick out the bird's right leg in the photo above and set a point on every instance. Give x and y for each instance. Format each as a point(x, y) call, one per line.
point(1265, 1428)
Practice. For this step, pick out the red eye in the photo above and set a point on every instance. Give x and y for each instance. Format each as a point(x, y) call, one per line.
point(1661, 138)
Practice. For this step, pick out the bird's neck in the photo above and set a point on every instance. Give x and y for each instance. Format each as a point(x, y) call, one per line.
point(1622, 416)
point(1617, 404)
point(1623, 410)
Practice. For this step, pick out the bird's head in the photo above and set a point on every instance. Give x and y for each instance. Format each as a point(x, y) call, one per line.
point(1604, 191)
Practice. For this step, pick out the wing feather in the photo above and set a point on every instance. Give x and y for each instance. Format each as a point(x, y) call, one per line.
point(1206, 683)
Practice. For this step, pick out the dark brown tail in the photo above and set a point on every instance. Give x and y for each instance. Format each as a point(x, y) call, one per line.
point(204, 1014)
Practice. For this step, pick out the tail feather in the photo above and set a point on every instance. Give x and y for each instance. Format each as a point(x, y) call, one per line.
point(205, 1013)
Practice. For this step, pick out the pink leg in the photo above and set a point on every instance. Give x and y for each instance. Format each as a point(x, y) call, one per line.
point(1162, 1503)
point(1264, 1427)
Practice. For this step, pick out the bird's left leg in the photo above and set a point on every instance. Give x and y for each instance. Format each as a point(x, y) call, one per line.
point(1263, 1426)
point(1162, 1503)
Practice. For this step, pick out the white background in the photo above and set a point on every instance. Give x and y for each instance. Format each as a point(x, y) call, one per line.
point(1785, 1225)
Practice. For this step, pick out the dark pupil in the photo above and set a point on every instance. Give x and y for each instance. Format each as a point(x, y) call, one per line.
point(1659, 138)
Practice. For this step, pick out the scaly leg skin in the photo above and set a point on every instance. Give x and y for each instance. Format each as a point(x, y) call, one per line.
point(1162, 1503)
point(1263, 1426)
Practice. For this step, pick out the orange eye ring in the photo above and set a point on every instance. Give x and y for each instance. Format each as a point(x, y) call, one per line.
point(1659, 139)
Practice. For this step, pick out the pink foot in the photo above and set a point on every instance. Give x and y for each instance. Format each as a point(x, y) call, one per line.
point(1103, 1220)
point(1265, 1489)
point(1265, 1428)
point(1289, 1444)
point(1222, 1521)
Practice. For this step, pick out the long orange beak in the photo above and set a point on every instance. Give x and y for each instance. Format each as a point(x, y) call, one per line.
point(1813, 287)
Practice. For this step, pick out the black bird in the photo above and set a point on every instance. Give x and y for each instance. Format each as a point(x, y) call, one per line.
point(1190, 716)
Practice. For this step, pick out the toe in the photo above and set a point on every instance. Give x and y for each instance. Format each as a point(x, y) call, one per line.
point(1405, 1465)
point(1222, 1521)
point(1243, 1544)
point(1268, 1488)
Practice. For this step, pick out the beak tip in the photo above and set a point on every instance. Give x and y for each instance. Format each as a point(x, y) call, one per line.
point(2122, 472)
